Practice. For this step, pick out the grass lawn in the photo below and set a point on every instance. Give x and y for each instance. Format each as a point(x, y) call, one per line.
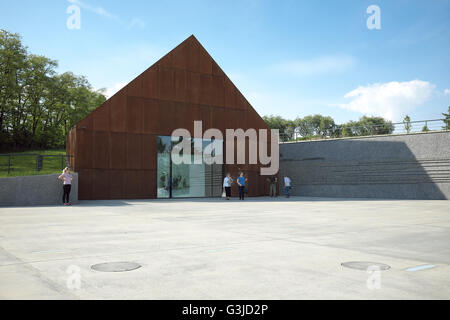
point(24, 163)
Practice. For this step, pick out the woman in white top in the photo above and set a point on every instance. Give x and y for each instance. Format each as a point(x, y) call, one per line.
point(67, 178)
point(227, 185)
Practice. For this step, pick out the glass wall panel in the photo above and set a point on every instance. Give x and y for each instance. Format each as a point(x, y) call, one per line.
point(189, 180)
point(164, 163)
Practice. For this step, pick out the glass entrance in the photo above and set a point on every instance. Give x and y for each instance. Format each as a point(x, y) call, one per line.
point(164, 147)
point(186, 180)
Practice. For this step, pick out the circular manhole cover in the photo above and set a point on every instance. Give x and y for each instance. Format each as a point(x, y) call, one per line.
point(116, 266)
point(365, 265)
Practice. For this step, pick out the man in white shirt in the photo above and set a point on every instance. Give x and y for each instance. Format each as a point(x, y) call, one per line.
point(227, 185)
point(287, 185)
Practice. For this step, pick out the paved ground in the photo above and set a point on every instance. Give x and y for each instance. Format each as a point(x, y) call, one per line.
point(212, 249)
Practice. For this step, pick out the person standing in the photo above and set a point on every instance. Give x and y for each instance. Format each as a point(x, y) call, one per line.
point(241, 182)
point(287, 186)
point(272, 186)
point(227, 185)
point(67, 185)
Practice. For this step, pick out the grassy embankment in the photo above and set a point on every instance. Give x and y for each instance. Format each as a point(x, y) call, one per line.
point(24, 163)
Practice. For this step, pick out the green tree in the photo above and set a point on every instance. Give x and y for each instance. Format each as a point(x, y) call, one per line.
point(425, 128)
point(350, 129)
point(304, 126)
point(37, 106)
point(12, 64)
point(286, 127)
point(326, 127)
point(447, 120)
point(315, 125)
point(367, 126)
point(407, 123)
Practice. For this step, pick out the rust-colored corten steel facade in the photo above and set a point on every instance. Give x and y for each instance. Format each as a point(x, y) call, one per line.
point(115, 147)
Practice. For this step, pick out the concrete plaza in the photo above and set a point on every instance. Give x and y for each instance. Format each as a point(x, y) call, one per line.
point(215, 249)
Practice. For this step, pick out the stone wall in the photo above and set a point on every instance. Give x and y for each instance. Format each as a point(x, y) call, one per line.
point(35, 190)
point(415, 166)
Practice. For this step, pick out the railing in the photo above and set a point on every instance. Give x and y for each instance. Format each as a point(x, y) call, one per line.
point(31, 164)
point(344, 131)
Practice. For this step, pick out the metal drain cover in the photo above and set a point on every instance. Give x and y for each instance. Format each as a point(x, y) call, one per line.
point(116, 266)
point(365, 265)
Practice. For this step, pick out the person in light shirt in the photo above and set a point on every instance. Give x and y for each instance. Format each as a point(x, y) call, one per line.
point(287, 186)
point(67, 185)
point(227, 181)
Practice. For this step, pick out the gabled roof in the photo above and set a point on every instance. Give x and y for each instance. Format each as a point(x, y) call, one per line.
point(186, 74)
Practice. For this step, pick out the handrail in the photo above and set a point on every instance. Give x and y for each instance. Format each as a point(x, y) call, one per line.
point(337, 131)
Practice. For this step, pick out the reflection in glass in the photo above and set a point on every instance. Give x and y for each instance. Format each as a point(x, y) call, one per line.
point(187, 180)
point(163, 169)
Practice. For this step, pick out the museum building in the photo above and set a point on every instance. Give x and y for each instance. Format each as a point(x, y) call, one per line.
point(122, 149)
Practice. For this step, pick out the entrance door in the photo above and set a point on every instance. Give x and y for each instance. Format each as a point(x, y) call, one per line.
point(186, 180)
point(164, 167)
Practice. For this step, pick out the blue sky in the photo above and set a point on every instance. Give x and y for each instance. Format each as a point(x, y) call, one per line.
point(289, 58)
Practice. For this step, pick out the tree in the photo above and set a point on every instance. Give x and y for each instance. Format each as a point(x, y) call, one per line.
point(425, 128)
point(37, 106)
point(366, 126)
point(304, 126)
point(447, 120)
point(326, 126)
point(407, 123)
point(12, 63)
point(315, 125)
point(350, 129)
point(286, 127)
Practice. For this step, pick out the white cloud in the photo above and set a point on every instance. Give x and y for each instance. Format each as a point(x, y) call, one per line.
point(97, 10)
point(317, 66)
point(391, 100)
point(446, 92)
point(109, 92)
point(136, 22)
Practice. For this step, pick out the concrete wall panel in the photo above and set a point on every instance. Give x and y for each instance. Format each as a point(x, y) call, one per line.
point(35, 190)
point(391, 167)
